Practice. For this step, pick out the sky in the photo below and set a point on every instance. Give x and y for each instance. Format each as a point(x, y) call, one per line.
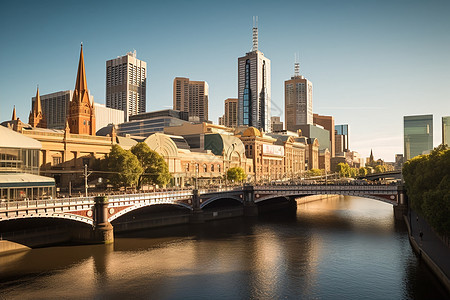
point(370, 62)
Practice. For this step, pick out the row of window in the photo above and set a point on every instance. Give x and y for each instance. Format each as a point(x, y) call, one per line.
point(204, 167)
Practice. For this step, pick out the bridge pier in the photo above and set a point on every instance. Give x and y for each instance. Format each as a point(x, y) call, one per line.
point(103, 230)
point(401, 208)
point(250, 207)
point(197, 215)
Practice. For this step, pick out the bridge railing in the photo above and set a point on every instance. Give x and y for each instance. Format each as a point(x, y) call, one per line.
point(24, 204)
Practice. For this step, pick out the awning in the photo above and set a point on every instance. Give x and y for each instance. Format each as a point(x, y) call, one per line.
point(8, 180)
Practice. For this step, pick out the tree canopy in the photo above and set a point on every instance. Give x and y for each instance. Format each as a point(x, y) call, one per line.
point(124, 167)
point(236, 174)
point(155, 167)
point(427, 180)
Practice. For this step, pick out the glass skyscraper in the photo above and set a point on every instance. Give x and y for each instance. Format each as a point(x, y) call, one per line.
point(418, 135)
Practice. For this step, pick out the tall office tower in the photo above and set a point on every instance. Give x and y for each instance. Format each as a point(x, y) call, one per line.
point(418, 135)
point(126, 78)
point(341, 138)
point(446, 130)
point(254, 88)
point(37, 117)
point(328, 123)
point(231, 112)
point(298, 97)
point(191, 97)
point(81, 115)
point(55, 107)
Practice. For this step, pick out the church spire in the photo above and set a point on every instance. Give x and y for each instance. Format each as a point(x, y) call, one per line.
point(81, 84)
point(14, 117)
point(37, 118)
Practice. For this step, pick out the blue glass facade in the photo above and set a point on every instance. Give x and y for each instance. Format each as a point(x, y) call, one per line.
point(247, 96)
point(418, 135)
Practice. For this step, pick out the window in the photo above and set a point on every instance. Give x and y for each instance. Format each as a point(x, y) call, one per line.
point(218, 168)
point(212, 167)
point(187, 167)
point(57, 160)
point(205, 168)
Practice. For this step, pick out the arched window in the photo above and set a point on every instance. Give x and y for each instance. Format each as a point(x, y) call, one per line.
point(205, 168)
point(212, 167)
point(218, 168)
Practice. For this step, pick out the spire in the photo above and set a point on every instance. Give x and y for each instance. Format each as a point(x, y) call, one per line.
point(37, 104)
point(371, 156)
point(14, 117)
point(255, 34)
point(80, 84)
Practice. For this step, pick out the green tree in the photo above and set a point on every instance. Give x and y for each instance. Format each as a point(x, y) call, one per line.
point(236, 174)
point(314, 172)
point(155, 167)
point(124, 167)
point(427, 181)
point(343, 169)
point(380, 169)
point(362, 171)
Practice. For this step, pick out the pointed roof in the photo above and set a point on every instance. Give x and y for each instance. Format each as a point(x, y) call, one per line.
point(37, 104)
point(14, 117)
point(80, 84)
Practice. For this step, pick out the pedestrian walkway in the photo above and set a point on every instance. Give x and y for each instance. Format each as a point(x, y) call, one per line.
point(430, 243)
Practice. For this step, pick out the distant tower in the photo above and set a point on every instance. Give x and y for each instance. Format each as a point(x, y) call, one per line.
point(298, 100)
point(371, 157)
point(81, 118)
point(254, 87)
point(191, 97)
point(126, 78)
point(14, 117)
point(37, 118)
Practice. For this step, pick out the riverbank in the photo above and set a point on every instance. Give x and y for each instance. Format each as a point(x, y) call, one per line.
point(429, 247)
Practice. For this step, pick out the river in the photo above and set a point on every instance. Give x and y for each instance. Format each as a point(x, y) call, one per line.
point(336, 248)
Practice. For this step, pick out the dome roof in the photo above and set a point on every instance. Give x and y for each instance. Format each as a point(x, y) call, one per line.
point(252, 131)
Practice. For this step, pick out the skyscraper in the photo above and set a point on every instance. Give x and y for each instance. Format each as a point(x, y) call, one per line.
point(191, 97)
point(341, 138)
point(418, 135)
point(254, 88)
point(446, 130)
point(298, 93)
point(231, 112)
point(126, 79)
point(328, 123)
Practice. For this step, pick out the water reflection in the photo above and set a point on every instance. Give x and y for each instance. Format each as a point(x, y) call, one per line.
point(340, 248)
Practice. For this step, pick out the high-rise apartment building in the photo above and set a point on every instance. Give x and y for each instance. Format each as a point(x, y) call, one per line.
point(191, 97)
point(126, 79)
point(231, 113)
point(298, 97)
point(328, 123)
point(254, 88)
point(418, 135)
point(446, 130)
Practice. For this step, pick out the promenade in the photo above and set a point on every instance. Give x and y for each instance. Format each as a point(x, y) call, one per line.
point(430, 246)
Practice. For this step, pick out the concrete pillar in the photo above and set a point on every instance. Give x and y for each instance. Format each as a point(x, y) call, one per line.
point(250, 208)
point(103, 231)
point(197, 215)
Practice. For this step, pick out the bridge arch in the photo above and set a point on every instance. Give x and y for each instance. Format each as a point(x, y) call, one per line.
point(54, 215)
point(263, 198)
point(143, 205)
point(221, 197)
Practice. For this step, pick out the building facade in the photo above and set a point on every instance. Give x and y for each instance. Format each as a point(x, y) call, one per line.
point(418, 135)
point(298, 101)
point(254, 88)
point(327, 122)
point(446, 130)
point(126, 84)
point(230, 118)
point(277, 125)
point(341, 138)
point(191, 97)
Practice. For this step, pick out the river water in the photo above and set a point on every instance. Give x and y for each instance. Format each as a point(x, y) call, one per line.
point(339, 248)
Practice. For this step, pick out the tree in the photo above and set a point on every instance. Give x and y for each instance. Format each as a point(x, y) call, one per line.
point(380, 169)
point(314, 172)
point(236, 174)
point(124, 165)
point(427, 181)
point(362, 171)
point(155, 167)
point(343, 169)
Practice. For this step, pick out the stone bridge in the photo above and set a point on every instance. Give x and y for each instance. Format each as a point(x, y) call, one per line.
point(99, 212)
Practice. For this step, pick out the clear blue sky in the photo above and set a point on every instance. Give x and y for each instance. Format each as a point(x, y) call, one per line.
point(371, 62)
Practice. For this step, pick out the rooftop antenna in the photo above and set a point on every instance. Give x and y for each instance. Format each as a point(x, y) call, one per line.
point(296, 65)
point(255, 33)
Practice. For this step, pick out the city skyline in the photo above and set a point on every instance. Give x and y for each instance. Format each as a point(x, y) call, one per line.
point(368, 74)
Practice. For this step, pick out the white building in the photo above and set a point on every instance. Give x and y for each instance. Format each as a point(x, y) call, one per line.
point(126, 78)
point(105, 116)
